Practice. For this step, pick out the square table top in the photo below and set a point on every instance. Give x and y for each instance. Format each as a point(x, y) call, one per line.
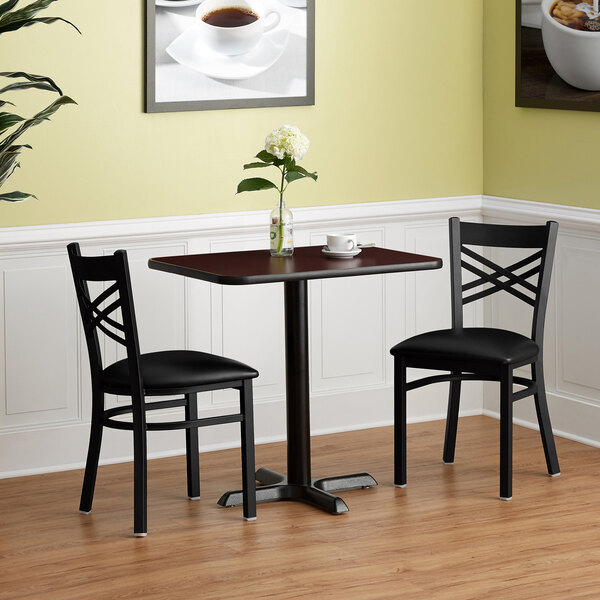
point(308, 262)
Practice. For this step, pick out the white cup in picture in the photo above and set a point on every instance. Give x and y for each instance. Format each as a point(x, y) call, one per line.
point(234, 27)
point(572, 42)
point(341, 242)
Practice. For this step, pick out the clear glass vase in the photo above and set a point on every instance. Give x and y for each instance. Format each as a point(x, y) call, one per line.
point(282, 231)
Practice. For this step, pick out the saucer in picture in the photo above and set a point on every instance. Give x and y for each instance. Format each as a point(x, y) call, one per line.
point(188, 50)
point(177, 3)
point(349, 254)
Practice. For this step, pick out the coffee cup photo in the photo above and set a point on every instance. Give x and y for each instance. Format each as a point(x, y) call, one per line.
point(572, 43)
point(341, 242)
point(233, 27)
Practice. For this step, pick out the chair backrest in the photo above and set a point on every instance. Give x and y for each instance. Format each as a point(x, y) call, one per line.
point(110, 312)
point(513, 279)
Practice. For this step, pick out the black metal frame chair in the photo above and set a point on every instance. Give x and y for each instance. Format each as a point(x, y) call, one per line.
point(164, 373)
point(484, 354)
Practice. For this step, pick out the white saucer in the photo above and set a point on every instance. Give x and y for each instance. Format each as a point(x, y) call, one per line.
point(189, 51)
point(331, 254)
point(177, 3)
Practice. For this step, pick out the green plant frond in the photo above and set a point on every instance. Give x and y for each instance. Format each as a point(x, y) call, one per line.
point(43, 115)
point(7, 120)
point(4, 8)
point(5, 102)
point(15, 196)
point(293, 176)
point(32, 78)
point(26, 85)
point(6, 27)
point(8, 163)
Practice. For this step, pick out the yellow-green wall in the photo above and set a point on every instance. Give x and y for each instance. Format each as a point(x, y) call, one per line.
point(398, 115)
point(531, 154)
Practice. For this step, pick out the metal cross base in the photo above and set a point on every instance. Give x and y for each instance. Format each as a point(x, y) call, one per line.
point(275, 486)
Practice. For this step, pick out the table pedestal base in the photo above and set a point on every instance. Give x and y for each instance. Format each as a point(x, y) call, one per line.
point(277, 487)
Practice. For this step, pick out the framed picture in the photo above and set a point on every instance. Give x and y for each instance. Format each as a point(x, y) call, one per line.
point(558, 54)
point(217, 54)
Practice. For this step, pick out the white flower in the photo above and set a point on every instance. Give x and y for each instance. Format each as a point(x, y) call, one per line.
point(287, 140)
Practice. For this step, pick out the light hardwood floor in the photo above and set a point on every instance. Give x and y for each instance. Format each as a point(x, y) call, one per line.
point(444, 536)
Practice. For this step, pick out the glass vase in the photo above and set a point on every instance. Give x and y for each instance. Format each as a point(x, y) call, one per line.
point(282, 231)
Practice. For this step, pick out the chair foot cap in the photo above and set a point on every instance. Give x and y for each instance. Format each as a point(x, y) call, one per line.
point(193, 497)
point(554, 474)
point(448, 463)
point(400, 485)
point(140, 534)
point(505, 499)
point(85, 512)
point(249, 518)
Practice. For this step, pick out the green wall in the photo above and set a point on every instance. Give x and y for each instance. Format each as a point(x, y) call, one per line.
point(398, 115)
point(531, 154)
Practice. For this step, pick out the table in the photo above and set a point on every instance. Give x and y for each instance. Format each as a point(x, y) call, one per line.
point(257, 266)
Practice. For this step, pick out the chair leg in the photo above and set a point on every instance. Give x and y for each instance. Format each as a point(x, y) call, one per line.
point(247, 431)
point(399, 423)
point(191, 448)
point(93, 455)
point(140, 477)
point(506, 425)
point(543, 417)
point(452, 420)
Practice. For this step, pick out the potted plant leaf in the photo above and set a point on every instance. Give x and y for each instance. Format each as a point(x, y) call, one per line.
point(12, 125)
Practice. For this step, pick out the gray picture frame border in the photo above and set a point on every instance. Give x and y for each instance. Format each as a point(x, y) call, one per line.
point(152, 106)
point(522, 102)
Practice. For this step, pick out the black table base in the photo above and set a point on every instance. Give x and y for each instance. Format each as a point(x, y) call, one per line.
point(299, 485)
point(276, 486)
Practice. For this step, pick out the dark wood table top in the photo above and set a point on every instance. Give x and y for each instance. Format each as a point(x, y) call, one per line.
point(258, 266)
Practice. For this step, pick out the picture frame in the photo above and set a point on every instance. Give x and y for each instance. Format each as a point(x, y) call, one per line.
point(538, 83)
point(188, 67)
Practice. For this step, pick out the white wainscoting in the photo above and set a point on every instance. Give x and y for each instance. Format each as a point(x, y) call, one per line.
point(44, 382)
point(572, 333)
point(45, 400)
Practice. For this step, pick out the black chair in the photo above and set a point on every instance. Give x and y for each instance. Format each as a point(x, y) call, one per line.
point(154, 374)
point(480, 353)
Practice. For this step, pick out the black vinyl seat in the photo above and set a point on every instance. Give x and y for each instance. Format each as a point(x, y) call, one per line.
point(167, 373)
point(175, 371)
point(470, 344)
point(482, 353)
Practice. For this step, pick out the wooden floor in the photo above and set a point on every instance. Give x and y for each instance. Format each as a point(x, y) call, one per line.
point(445, 536)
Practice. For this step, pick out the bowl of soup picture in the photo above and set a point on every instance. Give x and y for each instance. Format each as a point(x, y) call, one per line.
point(571, 35)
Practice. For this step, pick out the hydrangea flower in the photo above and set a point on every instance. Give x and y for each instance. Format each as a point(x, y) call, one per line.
point(287, 140)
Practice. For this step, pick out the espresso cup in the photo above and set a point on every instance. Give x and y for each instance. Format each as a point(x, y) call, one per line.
point(231, 41)
point(573, 54)
point(341, 242)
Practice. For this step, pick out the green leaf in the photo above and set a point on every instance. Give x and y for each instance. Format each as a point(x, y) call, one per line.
point(298, 169)
point(257, 165)
point(16, 196)
point(5, 102)
point(293, 176)
point(42, 116)
point(33, 79)
point(4, 8)
point(255, 184)
point(25, 85)
point(28, 22)
point(7, 120)
point(266, 157)
point(8, 163)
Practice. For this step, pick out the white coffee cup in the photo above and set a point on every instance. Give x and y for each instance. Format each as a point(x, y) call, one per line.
point(235, 40)
point(573, 54)
point(341, 242)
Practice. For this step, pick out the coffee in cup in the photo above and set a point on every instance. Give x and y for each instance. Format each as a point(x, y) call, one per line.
point(233, 27)
point(341, 242)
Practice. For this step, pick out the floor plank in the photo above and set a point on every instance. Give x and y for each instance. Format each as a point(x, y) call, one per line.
point(446, 535)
